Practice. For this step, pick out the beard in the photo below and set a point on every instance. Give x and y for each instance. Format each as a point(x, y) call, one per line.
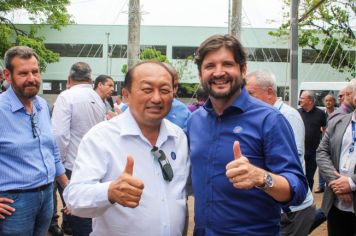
point(236, 83)
point(27, 90)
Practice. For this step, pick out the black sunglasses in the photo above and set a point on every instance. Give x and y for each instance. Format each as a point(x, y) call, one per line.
point(34, 125)
point(166, 167)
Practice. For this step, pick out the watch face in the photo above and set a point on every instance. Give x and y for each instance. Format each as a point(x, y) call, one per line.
point(269, 181)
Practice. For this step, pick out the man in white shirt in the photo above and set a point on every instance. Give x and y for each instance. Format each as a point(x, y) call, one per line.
point(131, 172)
point(76, 110)
point(261, 84)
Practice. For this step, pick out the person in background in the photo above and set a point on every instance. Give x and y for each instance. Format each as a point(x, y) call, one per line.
point(75, 111)
point(179, 112)
point(104, 86)
point(29, 157)
point(314, 121)
point(336, 159)
point(341, 96)
point(346, 105)
point(202, 96)
point(131, 171)
point(296, 220)
point(245, 164)
point(329, 104)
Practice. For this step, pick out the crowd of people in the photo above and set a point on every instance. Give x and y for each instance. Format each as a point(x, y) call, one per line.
point(126, 168)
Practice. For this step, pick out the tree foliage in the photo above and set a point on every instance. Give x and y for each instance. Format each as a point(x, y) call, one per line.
point(327, 30)
point(40, 12)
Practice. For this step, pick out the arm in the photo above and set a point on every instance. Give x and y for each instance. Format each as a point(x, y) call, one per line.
point(244, 175)
point(323, 156)
point(61, 118)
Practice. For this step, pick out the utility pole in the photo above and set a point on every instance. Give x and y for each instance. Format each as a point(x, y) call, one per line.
point(133, 44)
point(235, 21)
point(294, 54)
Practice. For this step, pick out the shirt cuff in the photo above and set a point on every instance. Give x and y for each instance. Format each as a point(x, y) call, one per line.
point(60, 169)
point(352, 184)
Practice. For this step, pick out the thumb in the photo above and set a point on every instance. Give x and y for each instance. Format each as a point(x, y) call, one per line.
point(129, 165)
point(237, 150)
point(337, 174)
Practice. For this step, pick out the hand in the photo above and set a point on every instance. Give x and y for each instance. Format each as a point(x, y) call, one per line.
point(126, 189)
point(111, 115)
point(66, 211)
point(340, 185)
point(5, 209)
point(345, 197)
point(241, 172)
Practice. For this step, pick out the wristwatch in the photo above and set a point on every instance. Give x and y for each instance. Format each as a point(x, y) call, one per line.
point(267, 181)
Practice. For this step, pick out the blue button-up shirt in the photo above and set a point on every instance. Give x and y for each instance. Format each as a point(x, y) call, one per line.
point(179, 113)
point(26, 162)
point(266, 139)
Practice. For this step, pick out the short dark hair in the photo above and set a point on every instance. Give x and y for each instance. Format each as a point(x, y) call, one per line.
point(218, 41)
point(130, 72)
point(22, 52)
point(101, 79)
point(80, 71)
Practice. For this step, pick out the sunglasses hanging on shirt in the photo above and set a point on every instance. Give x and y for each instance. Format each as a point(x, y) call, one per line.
point(166, 167)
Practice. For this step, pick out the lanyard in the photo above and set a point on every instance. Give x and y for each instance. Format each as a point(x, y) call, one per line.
point(353, 125)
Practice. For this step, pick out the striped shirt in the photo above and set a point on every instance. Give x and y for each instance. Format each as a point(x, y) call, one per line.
point(29, 156)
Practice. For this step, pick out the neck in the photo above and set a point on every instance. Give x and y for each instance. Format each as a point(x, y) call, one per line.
point(330, 110)
point(27, 103)
point(308, 108)
point(220, 104)
point(151, 133)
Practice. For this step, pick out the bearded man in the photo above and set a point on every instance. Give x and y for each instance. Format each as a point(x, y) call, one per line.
point(29, 157)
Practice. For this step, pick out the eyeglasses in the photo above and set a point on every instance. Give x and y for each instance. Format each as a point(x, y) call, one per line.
point(36, 132)
point(340, 95)
point(166, 167)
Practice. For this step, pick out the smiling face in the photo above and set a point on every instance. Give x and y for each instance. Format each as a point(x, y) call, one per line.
point(151, 94)
point(25, 77)
point(220, 75)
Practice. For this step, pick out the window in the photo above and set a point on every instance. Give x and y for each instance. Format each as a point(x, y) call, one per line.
point(76, 50)
point(183, 52)
point(268, 54)
point(161, 48)
point(118, 51)
point(313, 56)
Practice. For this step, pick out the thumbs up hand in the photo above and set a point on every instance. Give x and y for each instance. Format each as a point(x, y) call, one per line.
point(241, 173)
point(126, 189)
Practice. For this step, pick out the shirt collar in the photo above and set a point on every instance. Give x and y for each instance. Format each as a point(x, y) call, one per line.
point(279, 103)
point(16, 104)
point(131, 128)
point(240, 104)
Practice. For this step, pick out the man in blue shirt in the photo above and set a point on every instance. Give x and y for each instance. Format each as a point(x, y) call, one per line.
point(29, 158)
point(245, 164)
point(179, 112)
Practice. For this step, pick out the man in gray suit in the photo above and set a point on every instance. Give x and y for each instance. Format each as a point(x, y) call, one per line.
point(336, 159)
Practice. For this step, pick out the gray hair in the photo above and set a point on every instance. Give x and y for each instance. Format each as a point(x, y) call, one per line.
point(351, 86)
point(310, 94)
point(80, 71)
point(264, 79)
point(22, 52)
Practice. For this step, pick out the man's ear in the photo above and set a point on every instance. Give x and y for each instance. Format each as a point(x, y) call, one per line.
point(243, 70)
point(7, 75)
point(125, 93)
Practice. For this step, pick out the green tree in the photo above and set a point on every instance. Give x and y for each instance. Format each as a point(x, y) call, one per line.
point(148, 54)
point(327, 30)
point(40, 12)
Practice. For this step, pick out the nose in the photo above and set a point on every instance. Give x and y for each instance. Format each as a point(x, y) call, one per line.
point(156, 96)
point(219, 71)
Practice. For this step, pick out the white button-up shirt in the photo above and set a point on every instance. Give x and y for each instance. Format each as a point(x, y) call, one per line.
point(101, 158)
point(75, 111)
